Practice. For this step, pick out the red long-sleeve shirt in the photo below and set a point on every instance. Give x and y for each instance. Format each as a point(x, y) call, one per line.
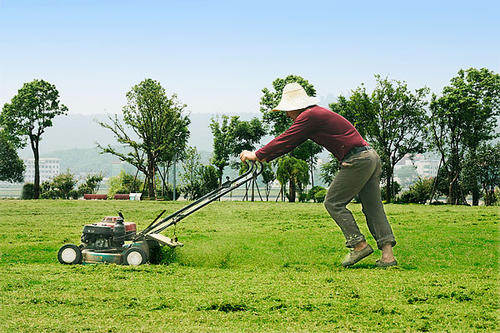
point(322, 126)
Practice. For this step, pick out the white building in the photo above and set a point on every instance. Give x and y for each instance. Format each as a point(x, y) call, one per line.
point(49, 168)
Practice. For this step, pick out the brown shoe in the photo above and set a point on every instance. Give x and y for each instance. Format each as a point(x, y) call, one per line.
point(355, 256)
point(384, 264)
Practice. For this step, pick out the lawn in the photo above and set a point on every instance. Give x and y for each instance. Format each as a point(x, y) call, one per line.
point(251, 267)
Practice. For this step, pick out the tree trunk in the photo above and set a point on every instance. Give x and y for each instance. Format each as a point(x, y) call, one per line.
point(453, 191)
point(388, 188)
point(475, 195)
point(150, 177)
point(312, 173)
point(36, 156)
point(291, 197)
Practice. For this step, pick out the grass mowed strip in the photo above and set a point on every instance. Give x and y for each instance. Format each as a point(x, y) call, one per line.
point(251, 267)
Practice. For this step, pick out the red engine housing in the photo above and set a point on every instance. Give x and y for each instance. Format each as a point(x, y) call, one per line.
point(109, 221)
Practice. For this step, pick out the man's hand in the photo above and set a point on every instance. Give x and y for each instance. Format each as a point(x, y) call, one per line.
point(246, 155)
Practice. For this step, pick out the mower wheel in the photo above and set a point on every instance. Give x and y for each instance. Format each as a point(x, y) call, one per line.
point(134, 256)
point(69, 254)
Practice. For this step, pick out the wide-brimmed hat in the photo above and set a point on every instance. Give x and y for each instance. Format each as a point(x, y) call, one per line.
point(294, 97)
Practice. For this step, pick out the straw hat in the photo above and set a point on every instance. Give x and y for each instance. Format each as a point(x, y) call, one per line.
point(294, 97)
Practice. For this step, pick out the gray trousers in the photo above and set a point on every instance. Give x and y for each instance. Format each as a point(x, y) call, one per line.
point(359, 174)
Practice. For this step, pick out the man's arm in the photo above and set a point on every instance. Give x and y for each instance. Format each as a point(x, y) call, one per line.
point(296, 134)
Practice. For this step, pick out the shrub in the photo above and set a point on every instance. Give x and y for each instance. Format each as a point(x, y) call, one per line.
point(124, 183)
point(91, 185)
point(312, 192)
point(28, 191)
point(320, 195)
point(419, 192)
point(63, 184)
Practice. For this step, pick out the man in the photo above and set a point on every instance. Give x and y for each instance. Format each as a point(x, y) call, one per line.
point(359, 173)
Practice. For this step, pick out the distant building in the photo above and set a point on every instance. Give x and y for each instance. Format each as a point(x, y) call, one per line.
point(425, 166)
point(49, 168)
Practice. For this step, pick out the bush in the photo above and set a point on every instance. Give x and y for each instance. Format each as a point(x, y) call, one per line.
point(28, 191)
point(63, 184)
point(320, 195)
point(312, 192)
point(419, 192)
point(124, 183)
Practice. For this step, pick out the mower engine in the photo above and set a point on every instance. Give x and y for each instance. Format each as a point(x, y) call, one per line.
point(111, 232)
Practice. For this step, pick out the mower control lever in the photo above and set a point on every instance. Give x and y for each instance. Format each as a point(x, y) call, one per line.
point(253, 171)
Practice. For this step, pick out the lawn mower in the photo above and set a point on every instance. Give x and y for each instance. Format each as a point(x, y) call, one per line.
point(115, 241)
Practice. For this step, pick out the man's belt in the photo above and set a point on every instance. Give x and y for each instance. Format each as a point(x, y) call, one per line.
point(355, 150)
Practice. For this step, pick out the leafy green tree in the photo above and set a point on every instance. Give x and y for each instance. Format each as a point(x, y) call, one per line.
point(11, 166)
point(268, 176)
point(295, 172)
point(391, 118)
point(91, 184)
point(209, 179)
point(246, 135)
point(223, 144)
point(329, 169)
point(481, 169)
point(124, 183)
point(158, 122)
point(197, 179)
point(28, 115)
point(461, 119)
point(277, 122)
point(60, 187)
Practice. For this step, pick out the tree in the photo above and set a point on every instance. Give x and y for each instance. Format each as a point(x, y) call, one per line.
point(329, 169)
point(392, 119)
point(124, 183)
point(278, 122)
point(461, 119)
point(28, 115)
point(158, 122)
point(246, 134)
point(61, 186)
point(197, 179)
point(481, 170)
point(91, 184)
point(295, 172)
point(190, 178)
point(223, 142)
point(11, 166)
point(268, 177)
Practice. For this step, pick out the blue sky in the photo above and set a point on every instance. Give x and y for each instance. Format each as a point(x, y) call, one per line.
point(218, 55)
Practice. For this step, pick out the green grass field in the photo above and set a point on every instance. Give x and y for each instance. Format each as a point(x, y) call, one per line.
point(251, 267)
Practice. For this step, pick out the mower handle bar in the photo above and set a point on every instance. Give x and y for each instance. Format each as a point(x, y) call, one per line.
point(226, 187)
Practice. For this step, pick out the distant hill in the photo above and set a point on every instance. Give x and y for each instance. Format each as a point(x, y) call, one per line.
point(83, 132)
